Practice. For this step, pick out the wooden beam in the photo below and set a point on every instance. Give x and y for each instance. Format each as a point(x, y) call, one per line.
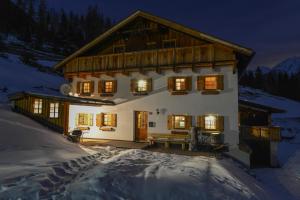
point(111, 74)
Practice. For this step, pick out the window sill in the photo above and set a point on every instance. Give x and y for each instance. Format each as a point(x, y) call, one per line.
point(85, 94)
point(107, 129)
point(210, 92)
point(140, 93)
point(82, 128)
point(107, 94)
point(184, 92)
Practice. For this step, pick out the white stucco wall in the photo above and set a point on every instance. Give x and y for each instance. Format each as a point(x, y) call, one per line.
point(194, 103)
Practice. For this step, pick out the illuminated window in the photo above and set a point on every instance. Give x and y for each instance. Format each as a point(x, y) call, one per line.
point(108, 86)
point(210, 122)
point(107, 120)
point(53, 113)
point(85, 119)
point(86, 87)
point(169, 43)
point(37, 106)
point(211, 83)
point(142, 86)
point(179, 122)
point(180, 84)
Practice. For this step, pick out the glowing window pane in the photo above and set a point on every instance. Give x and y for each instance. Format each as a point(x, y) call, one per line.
point(179, 122)
point(142, 86)
point(180, 84)
point(210, 122)
point(37, 106)
point(211, 83)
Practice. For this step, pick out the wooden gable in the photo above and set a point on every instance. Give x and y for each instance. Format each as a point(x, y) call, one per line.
point(146, 33)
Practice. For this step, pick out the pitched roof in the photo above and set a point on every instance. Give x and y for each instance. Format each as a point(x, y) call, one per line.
point(243, 50)
point(249, 104)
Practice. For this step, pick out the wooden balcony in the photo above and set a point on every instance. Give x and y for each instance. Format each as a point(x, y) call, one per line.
point(260, 133)
point(206, 55)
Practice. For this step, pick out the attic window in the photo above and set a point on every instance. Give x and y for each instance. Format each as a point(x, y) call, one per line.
point(169, 43)
point(151, 45)
point(119, 48)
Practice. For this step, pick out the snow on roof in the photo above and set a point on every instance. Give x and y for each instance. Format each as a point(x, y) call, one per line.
point(59, 96)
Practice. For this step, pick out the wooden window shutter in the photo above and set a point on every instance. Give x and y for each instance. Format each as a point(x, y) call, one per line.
point(200, 83)
point(220, 82)
point(100, 87)
point(188, 83)
point(92, 87)
point(78, 91)
point(114, 120)
point(170, 122)
point(149, 85)
point(171, 84)
point(201, 122)
point(99, 119)
point(115, 86)
point(90, 119)
point(220, 123)
point(133, 85)
point(188, 124)
point(77, 119)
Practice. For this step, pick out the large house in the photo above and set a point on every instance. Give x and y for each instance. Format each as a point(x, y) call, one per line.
point(144, 76)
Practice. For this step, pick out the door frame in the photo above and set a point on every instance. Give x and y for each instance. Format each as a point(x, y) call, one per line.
point(135, 125)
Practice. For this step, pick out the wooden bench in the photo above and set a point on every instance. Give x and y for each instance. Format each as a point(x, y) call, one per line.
point(168, 139)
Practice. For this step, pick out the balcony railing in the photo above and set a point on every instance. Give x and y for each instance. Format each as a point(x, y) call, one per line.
point(260, 133)
point(204, 54)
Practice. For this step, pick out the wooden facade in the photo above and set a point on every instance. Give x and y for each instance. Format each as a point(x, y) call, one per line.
point(25, 105)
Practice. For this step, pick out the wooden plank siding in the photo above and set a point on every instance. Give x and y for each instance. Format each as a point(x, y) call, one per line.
point(198, 56)
point(24, 105)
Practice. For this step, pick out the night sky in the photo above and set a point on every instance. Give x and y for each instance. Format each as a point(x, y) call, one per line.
point(270, 27)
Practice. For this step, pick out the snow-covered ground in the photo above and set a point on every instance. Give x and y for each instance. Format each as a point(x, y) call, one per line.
point(26, 146)
point(16, 76)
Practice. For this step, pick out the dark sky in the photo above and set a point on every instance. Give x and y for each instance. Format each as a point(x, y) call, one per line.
point(270, 27)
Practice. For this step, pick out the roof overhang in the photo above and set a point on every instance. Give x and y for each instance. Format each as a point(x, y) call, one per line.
point(260, 107)
point(248, 53)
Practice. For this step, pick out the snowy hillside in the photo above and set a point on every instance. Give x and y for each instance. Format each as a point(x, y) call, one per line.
point(16, 76)
point(290, 66)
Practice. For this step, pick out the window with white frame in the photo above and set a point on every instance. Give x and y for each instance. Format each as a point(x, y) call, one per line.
point(53, 112)
point(37, 106)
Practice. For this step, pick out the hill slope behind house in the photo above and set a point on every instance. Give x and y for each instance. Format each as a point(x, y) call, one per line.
point(15, 76)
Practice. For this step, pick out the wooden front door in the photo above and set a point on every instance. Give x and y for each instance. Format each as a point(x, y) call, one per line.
point(141, 125)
